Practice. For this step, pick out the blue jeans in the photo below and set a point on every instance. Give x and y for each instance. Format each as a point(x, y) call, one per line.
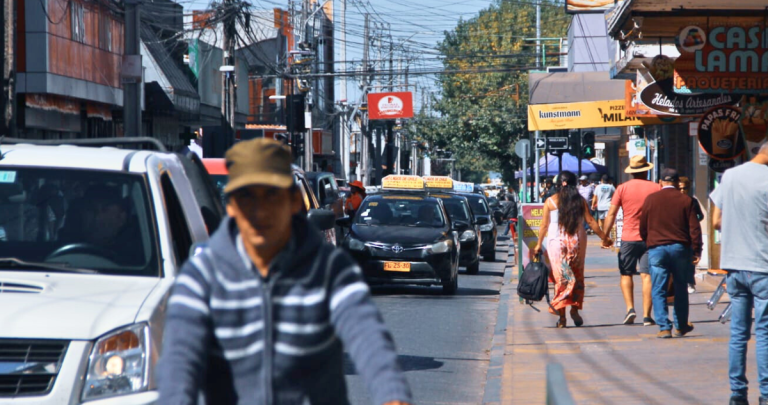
point(665, 261)
point(748, 290)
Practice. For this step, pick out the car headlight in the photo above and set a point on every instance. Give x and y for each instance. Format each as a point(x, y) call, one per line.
point(468, 235)
point(118, 363)
point(440, 247)
point(486, 227)
point(354, 244)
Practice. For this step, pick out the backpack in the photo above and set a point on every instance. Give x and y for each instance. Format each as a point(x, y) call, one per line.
point(534, 282)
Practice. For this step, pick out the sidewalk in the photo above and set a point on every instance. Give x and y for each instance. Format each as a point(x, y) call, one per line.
point(606, 362)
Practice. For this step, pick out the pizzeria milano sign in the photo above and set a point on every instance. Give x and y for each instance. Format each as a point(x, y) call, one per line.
point(723, 55)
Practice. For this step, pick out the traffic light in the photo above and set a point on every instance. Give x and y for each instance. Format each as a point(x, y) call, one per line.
point(588, 145)
point(574, 143)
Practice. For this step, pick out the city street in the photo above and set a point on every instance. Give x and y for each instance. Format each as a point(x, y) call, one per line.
point(443, 341)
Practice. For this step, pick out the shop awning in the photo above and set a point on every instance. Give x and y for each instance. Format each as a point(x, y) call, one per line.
point(573, 87)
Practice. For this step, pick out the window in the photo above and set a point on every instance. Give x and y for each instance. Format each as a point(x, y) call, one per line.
point(77, 16)
point(180, 236)
point(105, 32)
point(83, 219)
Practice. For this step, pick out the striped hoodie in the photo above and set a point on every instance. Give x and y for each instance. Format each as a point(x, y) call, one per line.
point(245, 339)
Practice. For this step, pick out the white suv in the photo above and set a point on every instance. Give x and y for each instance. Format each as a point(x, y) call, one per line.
point(91, 239)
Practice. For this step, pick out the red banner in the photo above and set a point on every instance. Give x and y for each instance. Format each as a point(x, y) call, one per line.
point(390, 106)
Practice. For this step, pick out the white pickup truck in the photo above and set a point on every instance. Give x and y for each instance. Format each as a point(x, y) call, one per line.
point(91, 239)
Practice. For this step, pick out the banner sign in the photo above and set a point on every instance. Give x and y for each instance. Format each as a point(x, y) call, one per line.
point(592, 114)
point(661, 98)
point(533, 214)
point(390, 106)
point(719, 133)
point(402, 182)
point(443, 182)
point(723, 55)
point(632, 103)
point(589, 6)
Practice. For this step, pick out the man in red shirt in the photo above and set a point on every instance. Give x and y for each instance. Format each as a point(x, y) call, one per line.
point(672, 233)
point(630, 197)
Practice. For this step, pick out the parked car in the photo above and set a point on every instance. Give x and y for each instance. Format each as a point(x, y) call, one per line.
point(482, 211)
point(327, 191)
point(91, 240)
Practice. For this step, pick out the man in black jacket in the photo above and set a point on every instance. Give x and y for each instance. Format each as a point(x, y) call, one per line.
point(264, 313)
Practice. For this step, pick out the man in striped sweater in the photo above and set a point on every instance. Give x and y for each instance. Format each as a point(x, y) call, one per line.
point(265, 312)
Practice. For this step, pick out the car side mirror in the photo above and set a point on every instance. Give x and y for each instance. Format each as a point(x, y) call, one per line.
point(482, 221)
point(344, 222)
point(323, 219)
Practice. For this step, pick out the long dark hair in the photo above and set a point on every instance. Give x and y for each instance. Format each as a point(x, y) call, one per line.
point(570, 208)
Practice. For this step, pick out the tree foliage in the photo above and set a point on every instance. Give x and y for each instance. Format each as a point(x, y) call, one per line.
point(476, 115)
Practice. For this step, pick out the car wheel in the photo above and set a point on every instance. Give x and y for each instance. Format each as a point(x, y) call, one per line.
point(450, 287)
point(474, 268)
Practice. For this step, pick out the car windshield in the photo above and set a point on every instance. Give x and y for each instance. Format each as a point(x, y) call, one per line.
point(478, 205)
point(80, 219)
point(401, 211)
point(457, 209)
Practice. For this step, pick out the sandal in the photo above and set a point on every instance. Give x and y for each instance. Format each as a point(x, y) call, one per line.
point(577, 319)
point(560, 323)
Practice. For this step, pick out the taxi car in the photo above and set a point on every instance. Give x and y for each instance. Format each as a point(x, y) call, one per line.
point(482, 211)
point(405, 236)
point(462, 218)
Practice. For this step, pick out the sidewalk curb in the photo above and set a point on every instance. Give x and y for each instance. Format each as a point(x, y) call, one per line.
point(493, 379)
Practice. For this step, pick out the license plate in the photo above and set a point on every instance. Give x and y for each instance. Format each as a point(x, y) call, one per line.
point(397, 266)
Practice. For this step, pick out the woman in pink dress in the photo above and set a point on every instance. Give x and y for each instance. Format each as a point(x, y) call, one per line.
point(564, 216)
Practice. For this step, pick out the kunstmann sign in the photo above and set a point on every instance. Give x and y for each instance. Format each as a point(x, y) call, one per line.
point(390, 106)
point(725, 55)
point(593, 114)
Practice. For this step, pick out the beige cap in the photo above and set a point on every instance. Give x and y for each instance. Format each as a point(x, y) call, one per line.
point(258, 162)
point(638, 164)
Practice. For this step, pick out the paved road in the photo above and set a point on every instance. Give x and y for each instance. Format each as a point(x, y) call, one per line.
point(443, 342)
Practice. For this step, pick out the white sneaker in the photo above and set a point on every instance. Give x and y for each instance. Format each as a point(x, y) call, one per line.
point(691, 289)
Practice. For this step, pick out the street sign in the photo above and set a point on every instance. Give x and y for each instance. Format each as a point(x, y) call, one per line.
point(557, 143)
point(523, 148)
point(541, 143)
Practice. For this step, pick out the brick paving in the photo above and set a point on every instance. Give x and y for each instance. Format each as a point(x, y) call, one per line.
point(606, 362)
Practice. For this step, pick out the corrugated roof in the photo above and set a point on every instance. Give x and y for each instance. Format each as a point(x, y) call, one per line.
point(180, 83)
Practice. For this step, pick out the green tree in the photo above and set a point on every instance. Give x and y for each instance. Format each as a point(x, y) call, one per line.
point(478, 116)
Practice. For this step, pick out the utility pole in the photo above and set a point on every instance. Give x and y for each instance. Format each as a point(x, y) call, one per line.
point(228, 96)
point(365, 124)
point(8, 40)
point(344, 130)
point(132, 88)
point(538, 34)
point(390, 135)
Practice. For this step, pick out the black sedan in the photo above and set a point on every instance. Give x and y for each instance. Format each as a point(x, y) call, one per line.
point(468, 228)
point(405, 239)
point(482, 211)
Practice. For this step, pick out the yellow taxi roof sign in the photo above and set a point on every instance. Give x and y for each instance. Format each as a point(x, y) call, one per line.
point(402, 182)
point(443, 182)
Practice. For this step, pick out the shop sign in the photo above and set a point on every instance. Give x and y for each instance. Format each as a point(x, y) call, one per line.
point(533, 216)
point(719, 133)
point(592, 114)
point(660, 97)
point(632, 103)
point(726, 55)
point(721, 165)
point(390, 106)
point(754, 125)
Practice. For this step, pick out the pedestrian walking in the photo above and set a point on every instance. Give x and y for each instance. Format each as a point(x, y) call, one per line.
point(630, 197)
point(264, 313)
point(587, 190)
point(740, 212)
point(564, 214)
point(685, 188)
point(672, 234)
point(549, 189)
point(601, 202)
point(353, 202)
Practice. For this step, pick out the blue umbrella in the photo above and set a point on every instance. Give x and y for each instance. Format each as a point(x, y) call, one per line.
point(570, 163)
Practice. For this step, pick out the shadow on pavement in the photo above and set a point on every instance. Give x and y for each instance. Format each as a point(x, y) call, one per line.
point(432, 292)
point(407, 363)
